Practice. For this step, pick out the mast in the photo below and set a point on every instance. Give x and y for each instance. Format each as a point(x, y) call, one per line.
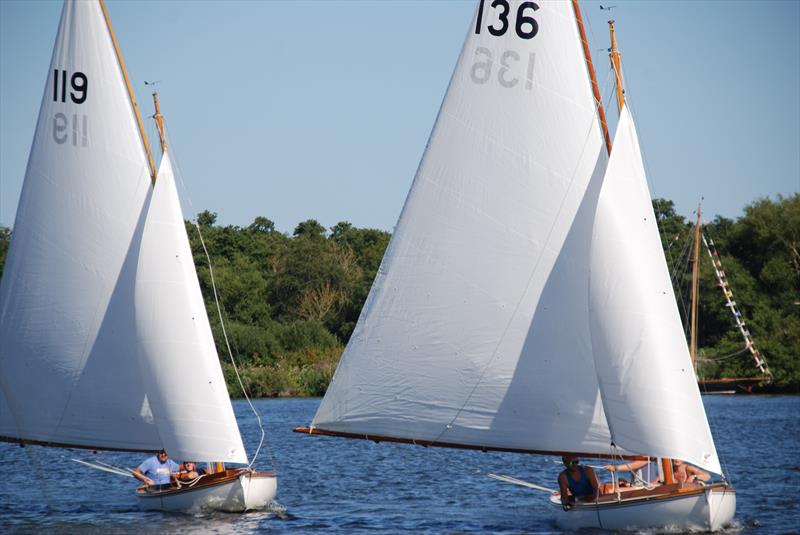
point(590, 66)
point(160, 123)
point(695, 292)
point(616, 64)
point(130, 93)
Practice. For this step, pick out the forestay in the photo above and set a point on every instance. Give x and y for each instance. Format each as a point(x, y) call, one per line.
point(475, 331)
point(648, 385)
point(101, 319)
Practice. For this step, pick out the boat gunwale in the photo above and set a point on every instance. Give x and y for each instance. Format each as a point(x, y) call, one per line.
point(205, 482)
point(676, 494)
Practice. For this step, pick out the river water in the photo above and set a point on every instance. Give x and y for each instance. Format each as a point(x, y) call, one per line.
point(331, 485)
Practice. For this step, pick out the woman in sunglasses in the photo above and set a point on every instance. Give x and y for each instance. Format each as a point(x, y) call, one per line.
point(188, 471)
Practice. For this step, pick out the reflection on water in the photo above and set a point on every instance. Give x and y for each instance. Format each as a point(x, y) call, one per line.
point(346, 486)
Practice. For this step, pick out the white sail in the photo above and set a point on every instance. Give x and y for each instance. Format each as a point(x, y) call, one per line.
point(179, 363)
point(645, 373)
point(476, 329)
point(104, 339)
point(68, 367)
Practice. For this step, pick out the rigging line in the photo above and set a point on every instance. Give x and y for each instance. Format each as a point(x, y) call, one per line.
point(219, 312)
point(228, 345)
point(725, 357)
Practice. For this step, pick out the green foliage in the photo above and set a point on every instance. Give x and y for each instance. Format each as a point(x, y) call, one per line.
point(5, 242)
point(290, 303)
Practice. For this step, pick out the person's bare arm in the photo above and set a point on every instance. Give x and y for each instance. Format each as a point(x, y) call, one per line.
point(141, 477)
point(562, 485)
point(593, 481)
point(697, 474)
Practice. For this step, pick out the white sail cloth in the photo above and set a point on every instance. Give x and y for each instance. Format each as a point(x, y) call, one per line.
point(470, 334)
point(72, 333)
point(477, 329)
point(646, 378)
point(177, 357)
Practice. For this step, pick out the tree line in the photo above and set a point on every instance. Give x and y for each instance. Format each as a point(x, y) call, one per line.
point(291, 301)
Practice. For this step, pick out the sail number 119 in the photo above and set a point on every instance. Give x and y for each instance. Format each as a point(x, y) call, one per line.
point(78, 82)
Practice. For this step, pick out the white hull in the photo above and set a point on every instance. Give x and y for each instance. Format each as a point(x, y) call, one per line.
point(709, 509)
point(237, 492)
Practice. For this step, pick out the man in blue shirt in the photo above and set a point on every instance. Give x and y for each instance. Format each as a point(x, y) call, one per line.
point(156, 470)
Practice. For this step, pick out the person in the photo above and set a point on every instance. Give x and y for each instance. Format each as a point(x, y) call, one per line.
point(188, 471)
point(686, 473)
point(156, 470)
point(648, 470)
point(577, 482)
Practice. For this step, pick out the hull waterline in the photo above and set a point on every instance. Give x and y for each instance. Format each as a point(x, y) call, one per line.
point(233, 491)
point(707, 508)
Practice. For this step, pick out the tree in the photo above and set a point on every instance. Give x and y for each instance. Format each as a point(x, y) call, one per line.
point(309, 228)
point(206, 218)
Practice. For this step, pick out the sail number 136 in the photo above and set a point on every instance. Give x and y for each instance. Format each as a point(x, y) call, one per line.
point(525, 25)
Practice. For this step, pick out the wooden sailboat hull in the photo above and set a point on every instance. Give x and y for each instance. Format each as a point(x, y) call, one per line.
point(232, 491)
point(705, 508)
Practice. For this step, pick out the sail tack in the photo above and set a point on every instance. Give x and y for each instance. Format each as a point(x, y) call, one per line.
point(100, 306)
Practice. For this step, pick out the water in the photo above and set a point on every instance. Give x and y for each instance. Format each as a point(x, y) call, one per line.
point(354, 486)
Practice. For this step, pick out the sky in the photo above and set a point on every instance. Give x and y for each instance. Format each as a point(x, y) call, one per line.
point(322, 109)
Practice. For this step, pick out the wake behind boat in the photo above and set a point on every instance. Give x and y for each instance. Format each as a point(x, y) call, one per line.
point(524, 302)
point(100, 306)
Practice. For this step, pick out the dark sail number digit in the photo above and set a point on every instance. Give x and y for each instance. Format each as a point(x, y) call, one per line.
point(525, 25)
point(79, 87)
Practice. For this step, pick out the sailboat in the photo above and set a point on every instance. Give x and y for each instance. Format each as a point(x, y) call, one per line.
point(100, 306)
point(724, 385)
point(524, 303)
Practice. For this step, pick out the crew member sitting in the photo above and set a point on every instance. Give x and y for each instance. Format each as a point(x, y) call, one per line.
point(188, 471)
point(577, 483)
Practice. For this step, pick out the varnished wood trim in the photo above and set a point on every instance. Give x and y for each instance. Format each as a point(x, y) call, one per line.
point(130, 93)
point(426, 443)
point(49, 444)
point(590, 66)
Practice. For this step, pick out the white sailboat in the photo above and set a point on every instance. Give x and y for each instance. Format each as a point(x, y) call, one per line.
point(512, 311)
point(100, 306)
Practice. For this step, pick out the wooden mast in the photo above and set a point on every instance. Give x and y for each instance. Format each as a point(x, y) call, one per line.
point(695, 292)
point(616, 64)
point(160, 123)
point(130, 93)
point(590, 66)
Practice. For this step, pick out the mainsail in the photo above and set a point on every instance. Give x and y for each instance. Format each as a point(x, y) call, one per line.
point(471, 334)
point(82, 363)
point(482, 328)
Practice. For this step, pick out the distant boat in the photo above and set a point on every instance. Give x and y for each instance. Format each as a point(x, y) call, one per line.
point(524, 302)
point(722, 385)
point(104, 338)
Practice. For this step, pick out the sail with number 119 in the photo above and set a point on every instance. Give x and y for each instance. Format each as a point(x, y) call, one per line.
point(100, 307)
point(524, 303)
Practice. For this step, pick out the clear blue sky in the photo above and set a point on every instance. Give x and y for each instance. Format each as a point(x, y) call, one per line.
point(321, 109)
